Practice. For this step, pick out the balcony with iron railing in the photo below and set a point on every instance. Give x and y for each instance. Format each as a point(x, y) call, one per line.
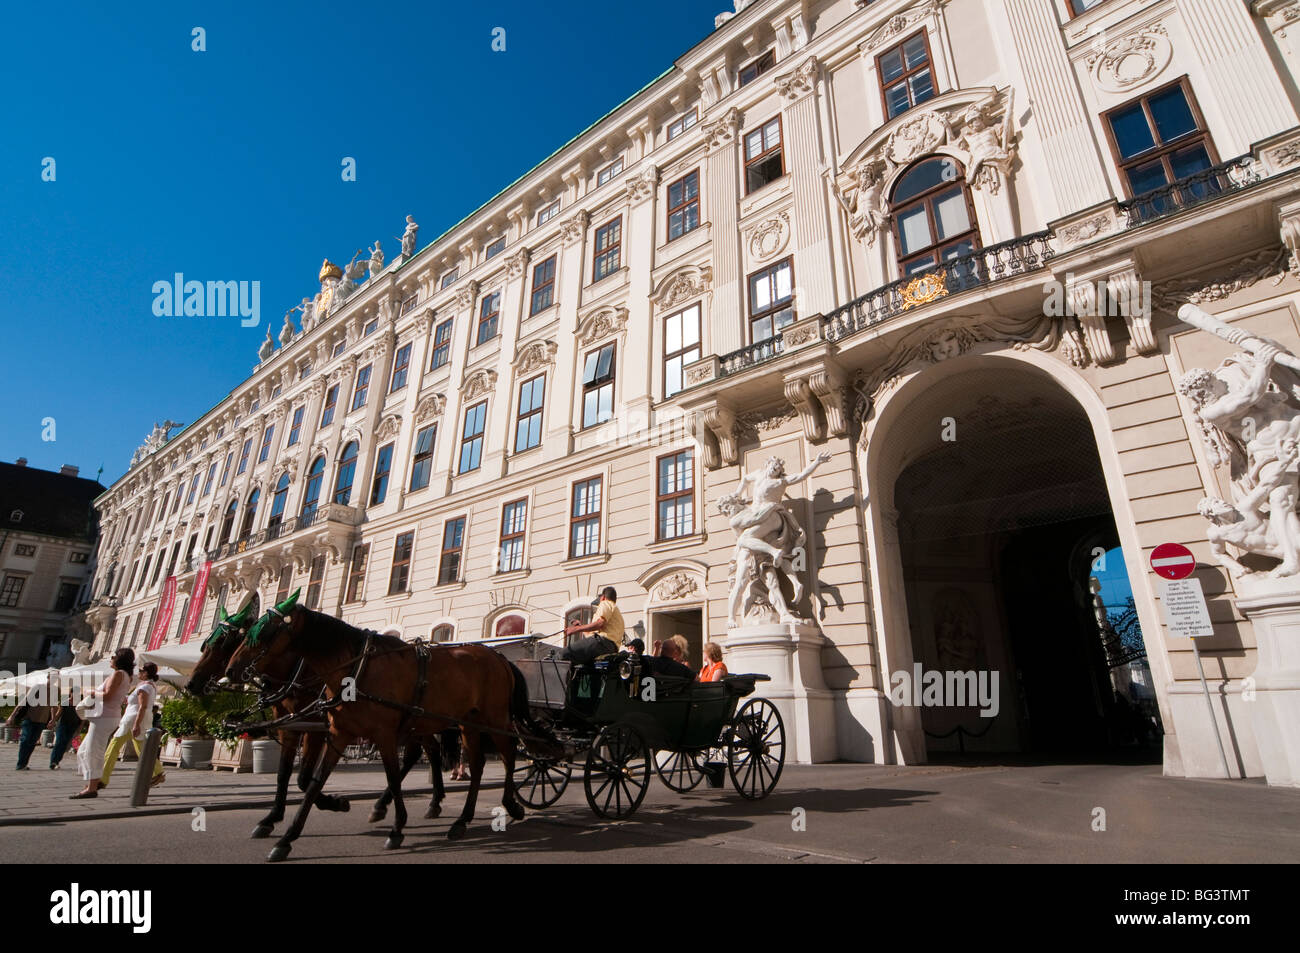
point(1192, 190)
point(336, 513)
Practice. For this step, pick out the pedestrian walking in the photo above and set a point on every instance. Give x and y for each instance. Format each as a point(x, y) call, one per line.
point(136, 720)
point(103, 719)
point(32, 720)
point(66, 723)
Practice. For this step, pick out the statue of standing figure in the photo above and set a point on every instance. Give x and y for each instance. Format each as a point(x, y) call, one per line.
point(1248, 410)
point(408, 237)
point(376, 260)
point(287, 332)
point(268, 346)
point(767, 539)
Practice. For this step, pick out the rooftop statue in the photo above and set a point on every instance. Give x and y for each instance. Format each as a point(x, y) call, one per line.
point(408, 237)
point(376, 260)
point(268, 346)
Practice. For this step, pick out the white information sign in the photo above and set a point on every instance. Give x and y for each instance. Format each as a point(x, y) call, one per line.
point(1185, 609)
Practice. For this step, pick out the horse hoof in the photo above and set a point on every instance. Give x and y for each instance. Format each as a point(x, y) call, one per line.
point(457, 831)
point(394, 841)
point(377, 815)
point(278, 853)
point(262, 830)
point(344, 805)
point(515, 810)
point(435, 810)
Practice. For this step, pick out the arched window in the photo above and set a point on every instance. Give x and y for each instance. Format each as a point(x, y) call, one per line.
point(443, 633)
point(347, 470)
point(228, 524)
point(278, 501)
point(512, 624)
point(314, 478)
point(934, 219)
point(250, 513)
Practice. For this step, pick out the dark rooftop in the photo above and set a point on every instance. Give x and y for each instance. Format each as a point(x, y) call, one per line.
point(51, 504)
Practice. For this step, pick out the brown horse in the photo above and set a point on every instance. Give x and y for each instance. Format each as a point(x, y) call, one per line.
point(379, 690)
point(296, 693)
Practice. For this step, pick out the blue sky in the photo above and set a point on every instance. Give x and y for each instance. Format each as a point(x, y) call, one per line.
point(225, 165)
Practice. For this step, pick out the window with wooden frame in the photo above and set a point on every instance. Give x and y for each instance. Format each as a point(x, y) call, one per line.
point(607, 252)
point(528, 419)
point(194, 487)
point(361, 389)
point(682, 123)
point(489, 312)
point(543, 286)
point(494, 248)
point(611, 170)
point(346, 473)
point(441, 345)
point(331, 400)
point(771, 300)
point(453, 542)
point(383, 469)
point(681, 346)
point(250, 513)
point(443, 633)
point(1160, 138)
point(755, 68)
point(243, 457)
point(449, 278)
point(401, 367)
point(285, 583)
point(315, 581)
point(338, 347)
point(295, 429)
point(548, 213)
point(357, 572)
point(675, 495)
point(684, 205)
point(278, 501)
point(513, 518)
point(906, 79)
point(471, 438)
point(422, 462)
point(598, 386)
point(310, 496)
point(584, 518)
point(12, 591)
point(228, 522)
point(207, 480)
point(401, 570)
point(409, 303)
point(266, 443)
point(933, 215)
point(764, 157)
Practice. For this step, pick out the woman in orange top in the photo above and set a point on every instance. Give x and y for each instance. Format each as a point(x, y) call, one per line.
point(713, 669)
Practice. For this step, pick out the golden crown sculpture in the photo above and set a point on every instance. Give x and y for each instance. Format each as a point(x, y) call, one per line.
point(330, 270)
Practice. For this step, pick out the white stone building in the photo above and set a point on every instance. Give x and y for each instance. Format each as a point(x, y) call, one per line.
point(943, 241)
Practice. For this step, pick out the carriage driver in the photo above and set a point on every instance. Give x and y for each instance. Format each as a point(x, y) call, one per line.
point(607, 623)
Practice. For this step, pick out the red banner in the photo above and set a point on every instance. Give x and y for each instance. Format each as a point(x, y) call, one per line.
point(198, 597)
point(165, 606)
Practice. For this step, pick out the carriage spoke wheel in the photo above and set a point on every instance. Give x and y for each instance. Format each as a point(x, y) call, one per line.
point(543, 781)
point(617, 773)
point(679, 770)
point(756, 749)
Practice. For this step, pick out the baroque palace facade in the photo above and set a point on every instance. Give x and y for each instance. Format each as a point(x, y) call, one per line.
point(942, 241)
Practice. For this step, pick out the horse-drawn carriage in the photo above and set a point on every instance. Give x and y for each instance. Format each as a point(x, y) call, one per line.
point(617, 719)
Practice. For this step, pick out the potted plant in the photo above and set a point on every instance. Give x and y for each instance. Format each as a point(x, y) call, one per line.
point(184, 720)
point(227, 715)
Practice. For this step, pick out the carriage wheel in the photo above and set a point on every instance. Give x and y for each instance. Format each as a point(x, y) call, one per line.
point(679, 770)
point(543, 781)
point(618, 772)
point(756, 749)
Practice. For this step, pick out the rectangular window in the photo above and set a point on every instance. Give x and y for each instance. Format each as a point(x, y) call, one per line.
point(423, 461)
point(528, 421)
point(608, 250)
point(543, 286)
point(1080, 7)
point(295, 428)
point(757, 68)
point(194, 486)
point(370, 328)
point(286, 580)
point(243, 456)
point(683, 205)
point(383, 467)
point(682, 123)
point(584, 519)
point(489, 311)
point(441, 345)
point(314, 582)
point(471, 440)
point(212, 475)
point(409, 303)
point(453, 541)
point(449, 278)
point(22, 549)
point(338, 348)
point(304, 372)
point(266, 444)
point(357, 571)
point(66, 597)
point(180, 488)
point(611, 170)
point(11, 591)
point(598, 386)
point(905, 77)
point(401, 563)
point(771, 300)
point(681, 346)
point(331, 399)
point(176, 554)
point(764, 161)
point(513, 517)
point(361, 389)
point(495, 248)
point(79, 558)
point(1158, 139)
point(548, 213)
point(401, 364)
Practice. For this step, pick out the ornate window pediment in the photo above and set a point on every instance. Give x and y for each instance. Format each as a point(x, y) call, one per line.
point(482, 381)
point(428, 407)
point(687, 282)
point(534, 356)
point(602, 323)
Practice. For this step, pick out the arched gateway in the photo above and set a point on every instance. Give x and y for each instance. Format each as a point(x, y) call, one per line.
point(1002, 549)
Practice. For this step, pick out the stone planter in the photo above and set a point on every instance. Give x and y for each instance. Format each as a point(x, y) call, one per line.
point(196, 752)
point(236, 757)
point(171, 752)
point(266, 756)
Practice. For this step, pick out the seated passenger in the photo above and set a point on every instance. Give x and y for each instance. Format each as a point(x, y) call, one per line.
point(608, 626)
point(683, 649)
point(666, 660)
point(714, 668)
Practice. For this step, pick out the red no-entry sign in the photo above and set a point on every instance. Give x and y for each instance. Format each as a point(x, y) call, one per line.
point(1172, 561)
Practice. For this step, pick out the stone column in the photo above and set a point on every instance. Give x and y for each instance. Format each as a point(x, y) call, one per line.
point(636, 377)
point(562, 385)
point(496, 434)
point(1275, 712)
point(723, 187)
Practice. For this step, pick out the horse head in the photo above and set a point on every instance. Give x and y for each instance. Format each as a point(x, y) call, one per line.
point(226, 637)
point(267, 640)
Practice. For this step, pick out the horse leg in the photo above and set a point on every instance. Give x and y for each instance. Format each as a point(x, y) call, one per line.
point(433, 751)
point(474, 756)
point(395, 773)
point(288, 751)
point(505, 745)
point(380, 810)
point(324, 765)
point(312, 744)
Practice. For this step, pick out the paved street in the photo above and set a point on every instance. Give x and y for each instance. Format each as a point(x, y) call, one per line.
point(854, 814)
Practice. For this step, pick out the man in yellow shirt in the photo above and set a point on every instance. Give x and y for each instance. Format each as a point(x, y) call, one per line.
point(608, 626)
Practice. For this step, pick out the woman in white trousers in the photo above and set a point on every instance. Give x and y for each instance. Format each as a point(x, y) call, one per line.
point(90, 754)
